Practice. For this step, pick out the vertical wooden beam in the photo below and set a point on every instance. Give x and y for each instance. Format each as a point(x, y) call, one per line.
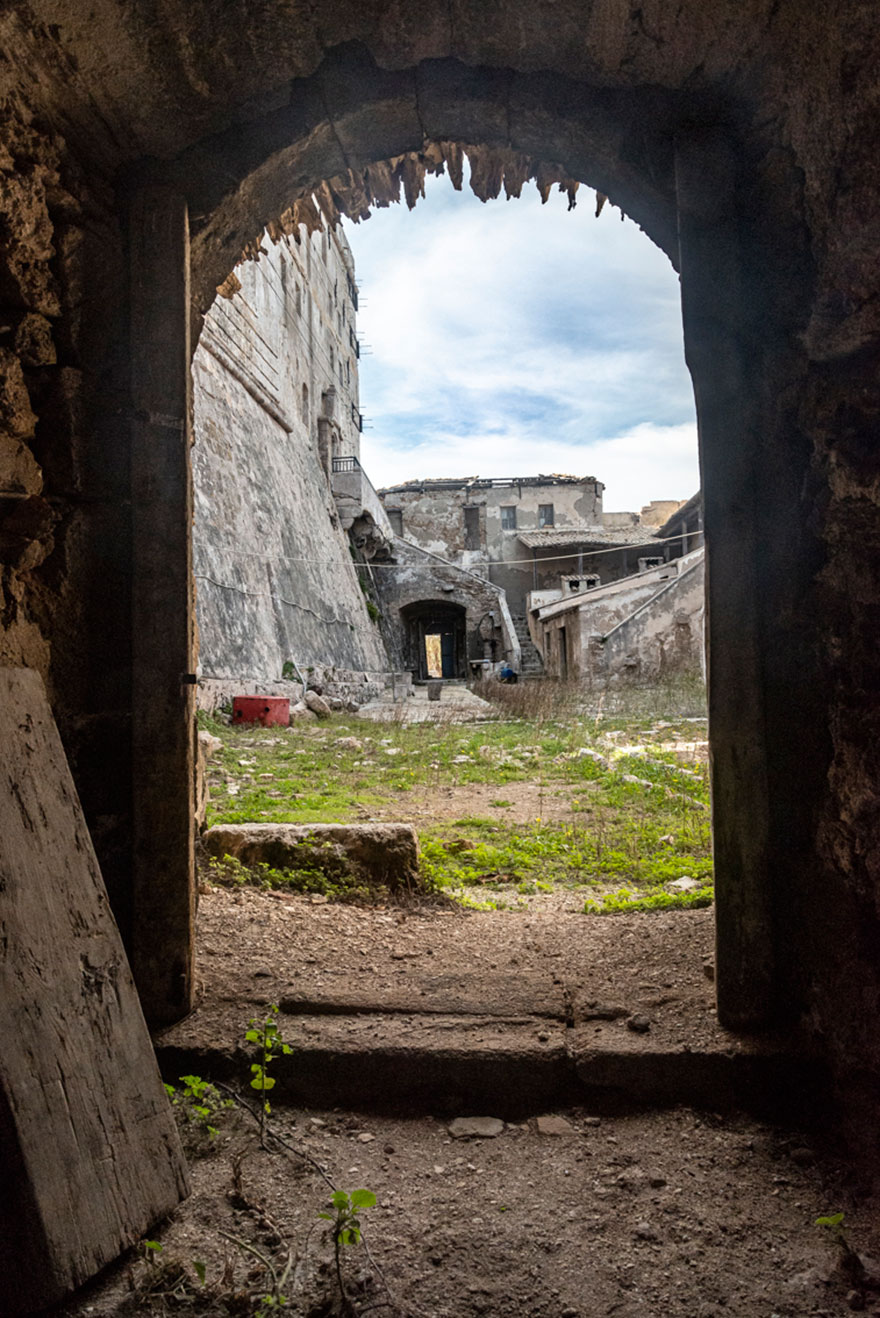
point(163, 645)
point(721, 314)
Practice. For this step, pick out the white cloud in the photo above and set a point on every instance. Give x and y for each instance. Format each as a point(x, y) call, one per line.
point(514, 338)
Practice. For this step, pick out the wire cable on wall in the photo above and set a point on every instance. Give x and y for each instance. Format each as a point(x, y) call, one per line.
point(501, 562)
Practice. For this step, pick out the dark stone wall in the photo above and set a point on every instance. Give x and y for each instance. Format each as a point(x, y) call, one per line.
point(64, 484)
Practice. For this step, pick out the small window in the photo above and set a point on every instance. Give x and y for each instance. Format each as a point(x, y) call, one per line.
point(304, 406)
point(395, 517)
point(645, 564)
point(472, 528)
point(332, 359)
point(508, 517)
point(575, 585)
point(545, 514)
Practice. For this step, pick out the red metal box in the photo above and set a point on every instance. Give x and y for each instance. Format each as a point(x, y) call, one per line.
point(271, 711)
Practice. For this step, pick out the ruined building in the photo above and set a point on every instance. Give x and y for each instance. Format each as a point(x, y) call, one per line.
point(298, 572)
point(521, 533)
point(644, 625)
point(144, 150)
point(539, 539)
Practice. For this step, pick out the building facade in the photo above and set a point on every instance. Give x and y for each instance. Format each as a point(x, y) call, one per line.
point(523, 534)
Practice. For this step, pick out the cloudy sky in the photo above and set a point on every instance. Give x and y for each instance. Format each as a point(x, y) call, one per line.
point(510, 338)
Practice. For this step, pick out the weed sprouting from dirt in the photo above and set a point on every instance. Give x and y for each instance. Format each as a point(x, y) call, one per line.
point(345, 1228)
point(265, 1034)
point(200, 1107)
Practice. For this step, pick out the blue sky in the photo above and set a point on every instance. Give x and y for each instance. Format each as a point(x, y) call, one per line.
point(510, 338)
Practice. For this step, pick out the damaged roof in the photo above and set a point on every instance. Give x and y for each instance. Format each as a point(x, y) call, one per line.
point(553, 537)
point(487, 482)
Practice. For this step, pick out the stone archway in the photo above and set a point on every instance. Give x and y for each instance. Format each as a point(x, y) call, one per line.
point(704, 192)
point(741, 137)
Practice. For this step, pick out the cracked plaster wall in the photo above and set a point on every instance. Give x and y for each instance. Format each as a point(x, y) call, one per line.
point(434, 518)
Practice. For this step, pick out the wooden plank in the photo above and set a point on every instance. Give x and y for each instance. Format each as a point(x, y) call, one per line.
point(163, 615)
point(88, 1147)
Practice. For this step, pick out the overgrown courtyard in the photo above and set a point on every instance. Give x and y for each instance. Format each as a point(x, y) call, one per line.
point(598, 809)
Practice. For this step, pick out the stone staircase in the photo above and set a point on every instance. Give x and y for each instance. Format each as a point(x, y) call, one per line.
point(532, 663)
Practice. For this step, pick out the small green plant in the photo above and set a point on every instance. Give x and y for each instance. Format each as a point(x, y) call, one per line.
point(267, 1036)
point(199, 1102)
point(373, 611)
point(288, 672)
point(345, 1227)
point(849, 1261)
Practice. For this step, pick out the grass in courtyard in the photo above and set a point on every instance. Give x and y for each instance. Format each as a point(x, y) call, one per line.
point(632, 790)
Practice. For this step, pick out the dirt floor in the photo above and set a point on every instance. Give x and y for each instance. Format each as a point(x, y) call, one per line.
point(627, 1168)
point(678, 1213)
point(675, 1211)
point(259, 947)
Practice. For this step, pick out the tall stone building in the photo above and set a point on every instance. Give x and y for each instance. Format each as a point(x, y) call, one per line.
point(277, 422)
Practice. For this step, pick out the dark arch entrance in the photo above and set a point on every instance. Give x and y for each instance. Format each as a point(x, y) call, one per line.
point(683, 183)
point(436, 639)
point(706, 174)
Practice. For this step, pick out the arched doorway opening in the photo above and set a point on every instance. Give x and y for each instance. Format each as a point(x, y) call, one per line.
point(681, 182)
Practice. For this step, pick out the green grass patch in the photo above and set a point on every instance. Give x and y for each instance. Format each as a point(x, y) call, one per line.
point(624, 901)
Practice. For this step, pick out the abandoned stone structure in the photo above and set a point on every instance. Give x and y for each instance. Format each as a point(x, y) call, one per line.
point(643, 626)
point(521, 533)
point(535, 533)
point(288, 527)
point(425, 595)
point(142, 154)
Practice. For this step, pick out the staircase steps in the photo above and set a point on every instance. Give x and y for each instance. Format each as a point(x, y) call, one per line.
point(532, 663)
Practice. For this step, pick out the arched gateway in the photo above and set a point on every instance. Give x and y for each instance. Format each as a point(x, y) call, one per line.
point(150, 145)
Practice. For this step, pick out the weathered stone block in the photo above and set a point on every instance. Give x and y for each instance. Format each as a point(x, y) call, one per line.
point(206, 746)
point(317, 704)
point(19, 470)
point(33, 341)
point(373, 854)
point(16, 417)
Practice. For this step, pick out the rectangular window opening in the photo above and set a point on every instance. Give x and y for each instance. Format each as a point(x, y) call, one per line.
point(545, 515)
point(472, 528)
